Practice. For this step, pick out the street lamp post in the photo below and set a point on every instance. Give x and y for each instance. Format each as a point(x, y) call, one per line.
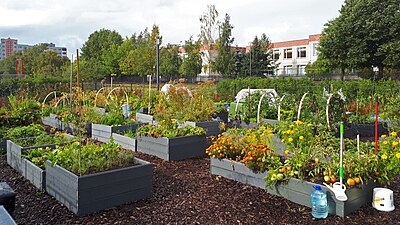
point(158, 62)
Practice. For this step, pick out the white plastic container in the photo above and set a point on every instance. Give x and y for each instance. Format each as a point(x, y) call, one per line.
point(382, 199)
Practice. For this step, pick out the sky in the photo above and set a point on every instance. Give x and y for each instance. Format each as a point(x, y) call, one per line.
point(69, 23)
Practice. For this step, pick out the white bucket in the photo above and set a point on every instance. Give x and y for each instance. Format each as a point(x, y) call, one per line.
point(382, 199)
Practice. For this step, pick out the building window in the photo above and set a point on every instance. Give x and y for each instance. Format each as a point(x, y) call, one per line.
point(301, 69)
point(287, 53)
point(287, 70)
point(301, 52)
point(315, 49)
point(276, 54)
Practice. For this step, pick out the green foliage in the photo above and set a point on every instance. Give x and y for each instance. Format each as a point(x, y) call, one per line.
point(192, 63)
point(224, 64)
point(91, 158)
point(169, 129)
point(355, 40)
point(170, 61)
point(38, 156)
point(24, 131)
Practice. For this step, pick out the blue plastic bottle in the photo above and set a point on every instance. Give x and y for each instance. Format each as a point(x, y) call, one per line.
point(319, 203)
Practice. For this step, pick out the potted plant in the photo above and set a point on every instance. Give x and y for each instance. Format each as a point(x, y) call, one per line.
point(78, 175)
point(169, 142)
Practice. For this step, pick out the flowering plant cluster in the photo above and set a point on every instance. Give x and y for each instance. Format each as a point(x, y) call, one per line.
point(250, 147)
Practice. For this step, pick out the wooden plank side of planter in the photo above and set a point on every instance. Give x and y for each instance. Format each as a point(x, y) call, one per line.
point(34, 174)
point(178, 148)
point(237, 171)
point(63, 185)
point(211, 127)
point(181, 148)
point(103, 133)
point(144, 118)
point(52, 122)
point(299, 192)
point(125, 142)
point(14, 155)
point(91, 193)
point(5, 217)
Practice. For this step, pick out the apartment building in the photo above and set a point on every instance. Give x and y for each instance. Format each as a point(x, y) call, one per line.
point(293, 56)
point(9, 46)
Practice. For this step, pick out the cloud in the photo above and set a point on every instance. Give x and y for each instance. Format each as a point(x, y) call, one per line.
point(69, 23)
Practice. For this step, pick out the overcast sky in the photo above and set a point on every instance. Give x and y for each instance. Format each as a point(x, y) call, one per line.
point(69, 23)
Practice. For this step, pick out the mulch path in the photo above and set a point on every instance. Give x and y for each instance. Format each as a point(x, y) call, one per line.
point(186, 193)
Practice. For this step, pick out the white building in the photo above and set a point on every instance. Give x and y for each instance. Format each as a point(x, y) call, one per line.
point(293, 56)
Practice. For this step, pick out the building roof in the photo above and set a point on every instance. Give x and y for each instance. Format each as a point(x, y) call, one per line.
point(311, 38)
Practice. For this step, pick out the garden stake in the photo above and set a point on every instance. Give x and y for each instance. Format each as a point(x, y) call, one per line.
point(376, 123)
point(358, 145)
point(339, 188)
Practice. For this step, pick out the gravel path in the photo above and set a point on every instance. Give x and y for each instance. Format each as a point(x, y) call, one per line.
point(186, 193)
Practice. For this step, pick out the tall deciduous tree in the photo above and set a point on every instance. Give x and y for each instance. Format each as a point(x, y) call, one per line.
point(99, 52)
point(360, 37)
point(224, 63)
point(191, 65)
point(209, 32)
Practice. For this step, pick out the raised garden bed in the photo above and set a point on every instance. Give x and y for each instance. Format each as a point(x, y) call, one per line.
point(295, 190)
point(103, 133)
point(91, 193)
point(125, 142)
point(5, 217)
point(52, 121)
point(211, 127)
point(177, 148)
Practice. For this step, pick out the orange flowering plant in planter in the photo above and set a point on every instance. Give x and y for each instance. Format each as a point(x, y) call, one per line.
point(251, 147)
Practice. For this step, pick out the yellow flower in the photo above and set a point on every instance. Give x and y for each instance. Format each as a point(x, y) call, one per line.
point(298, 122)
point(287, 152)
point(398, 155)
point(291, 126)
point(290, 139)
point(383, 136)
point(385, 142)
point(291, 132)
point(283, 140)
point(394, 134)
point(310, 124)
point(384, 156)
point(301, 137)
point(395, 144)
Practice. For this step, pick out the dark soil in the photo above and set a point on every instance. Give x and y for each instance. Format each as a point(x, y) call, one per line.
point(186, 193)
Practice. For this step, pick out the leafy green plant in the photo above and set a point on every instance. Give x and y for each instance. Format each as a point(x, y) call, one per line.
point(169, 129)
point(91, 158)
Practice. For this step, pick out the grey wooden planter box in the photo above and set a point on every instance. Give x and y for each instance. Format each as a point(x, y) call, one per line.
point(211, 127)
point(299, 192)
point(103, 133)
point(5, 218)
point(270, 121)
point(237, 171)
point(178, 148)
point(14, 152)
point(125, 142)
point(52, 121)
point(71, 128)
point(91, 193)
point(294, 190)
point(144, 118)
point(34, 174)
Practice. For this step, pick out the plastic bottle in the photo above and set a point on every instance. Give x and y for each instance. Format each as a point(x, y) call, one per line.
point(319, 203)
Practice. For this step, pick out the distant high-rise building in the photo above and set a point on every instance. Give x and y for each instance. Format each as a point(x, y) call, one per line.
point(9, 46)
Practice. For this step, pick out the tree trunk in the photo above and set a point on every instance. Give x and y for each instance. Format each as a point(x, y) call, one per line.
point(342, 74)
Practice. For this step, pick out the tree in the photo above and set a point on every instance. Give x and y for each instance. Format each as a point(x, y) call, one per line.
point(224, 63)
point(209, 31)
point(191, 65)
point(99, 52)
point(360, 36)
point(169, 61)
point(259, 57)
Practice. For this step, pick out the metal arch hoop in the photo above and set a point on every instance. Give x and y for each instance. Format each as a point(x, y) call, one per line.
point(259, 105)
point(126, 95)
point(301, 103)
point(48, 95)
point(97, 93)
point(279, 107)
